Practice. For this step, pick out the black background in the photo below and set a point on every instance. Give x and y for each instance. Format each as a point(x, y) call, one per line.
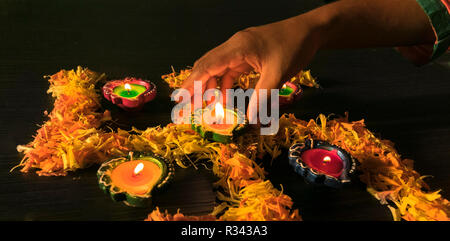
point(399, 101)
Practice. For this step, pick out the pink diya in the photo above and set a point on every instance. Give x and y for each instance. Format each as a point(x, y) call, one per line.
point(322, 163)
point(289, 93)
point(129, 94)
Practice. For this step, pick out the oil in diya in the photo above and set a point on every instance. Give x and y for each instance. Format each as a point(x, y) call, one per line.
point(219, 124)
point(129, 94)
point(322, 163)
point(135, 178)
point(289, 93)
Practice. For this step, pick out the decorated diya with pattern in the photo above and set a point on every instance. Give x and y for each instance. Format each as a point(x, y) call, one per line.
point(219, 124)
point(322, 163)
point(135, 178)
point(130, 94)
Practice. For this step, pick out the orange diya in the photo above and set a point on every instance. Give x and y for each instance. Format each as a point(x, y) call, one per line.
point(219, 119)
point(134, 179)
point(219, 124)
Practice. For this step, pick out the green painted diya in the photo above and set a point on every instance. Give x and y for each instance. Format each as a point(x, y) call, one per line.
point(135, 178)
point(203, 121)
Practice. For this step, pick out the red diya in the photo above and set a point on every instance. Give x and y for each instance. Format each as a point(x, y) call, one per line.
point(289, 93)
point(218, 123)
point(322, 163)
point(129, 94)
point(135, 178)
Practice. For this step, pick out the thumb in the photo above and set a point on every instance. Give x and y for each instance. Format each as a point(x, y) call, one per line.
point(269, 79)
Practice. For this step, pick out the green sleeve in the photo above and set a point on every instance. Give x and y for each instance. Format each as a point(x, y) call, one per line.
point(440, 20)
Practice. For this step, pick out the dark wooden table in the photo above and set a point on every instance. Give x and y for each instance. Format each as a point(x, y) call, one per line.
point(399, 101)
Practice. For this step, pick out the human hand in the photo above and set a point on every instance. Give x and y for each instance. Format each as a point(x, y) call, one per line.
point(277, 51)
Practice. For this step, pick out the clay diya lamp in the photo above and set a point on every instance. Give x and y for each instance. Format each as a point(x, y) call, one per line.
point(219, 124)
point(289, 93)
point(322, 163)
point(129, 94)
point(135, 178)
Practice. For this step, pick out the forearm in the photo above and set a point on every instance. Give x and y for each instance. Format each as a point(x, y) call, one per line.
point(369, 23)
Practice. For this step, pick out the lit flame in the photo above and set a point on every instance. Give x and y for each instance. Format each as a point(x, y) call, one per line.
point(127, 86)
point(284, 86)
point(219, 112)
point(327, 159)
point(139, 167)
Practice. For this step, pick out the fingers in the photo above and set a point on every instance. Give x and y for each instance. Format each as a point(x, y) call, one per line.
point(268, 80)
point(211, 84)
point(196, 75)
point(212, 64)
point(227, 83)
point(231, 76)
point(228, 72)
point(215, 63)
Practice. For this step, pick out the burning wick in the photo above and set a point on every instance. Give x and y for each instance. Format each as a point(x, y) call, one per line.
point(128, 87)
point(219, 113)
point(284, 86)
point(138, 169)
point(326, 159)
